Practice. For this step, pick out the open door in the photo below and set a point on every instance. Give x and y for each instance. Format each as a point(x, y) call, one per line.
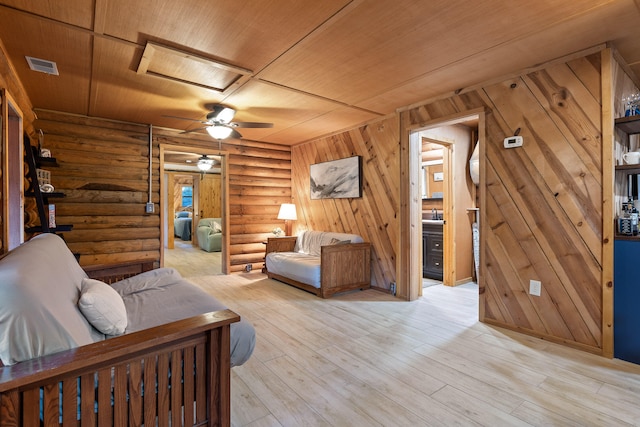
point(12, 174)
point(209, 199)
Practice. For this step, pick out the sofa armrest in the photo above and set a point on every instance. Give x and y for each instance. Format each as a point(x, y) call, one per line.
point(117, 368)
point(281, 244)
point(345, 266)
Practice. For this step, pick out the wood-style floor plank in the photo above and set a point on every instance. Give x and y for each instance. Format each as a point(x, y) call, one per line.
point(368, 359)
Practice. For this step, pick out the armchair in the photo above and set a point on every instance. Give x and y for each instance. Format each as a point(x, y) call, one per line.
point(209, 234)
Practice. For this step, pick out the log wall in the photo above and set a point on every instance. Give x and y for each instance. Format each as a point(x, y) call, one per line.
point(104, 173)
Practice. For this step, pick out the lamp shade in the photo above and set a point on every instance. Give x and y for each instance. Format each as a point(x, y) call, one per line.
point(219, 132)
point(287, 212)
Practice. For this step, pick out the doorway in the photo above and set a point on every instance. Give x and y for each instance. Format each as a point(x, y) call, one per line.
point(190, 197)
point(454, 199)
point(13, 167)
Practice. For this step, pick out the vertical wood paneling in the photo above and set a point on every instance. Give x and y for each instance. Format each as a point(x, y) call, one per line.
point(210, 196)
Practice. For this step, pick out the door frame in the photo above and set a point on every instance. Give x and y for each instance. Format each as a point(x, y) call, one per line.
point(224, 192)
point(448, 211)
point(408, 266)
point(12, 172)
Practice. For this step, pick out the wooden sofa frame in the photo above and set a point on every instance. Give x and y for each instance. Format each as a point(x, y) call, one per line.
point(344, 267)
point(174, 374)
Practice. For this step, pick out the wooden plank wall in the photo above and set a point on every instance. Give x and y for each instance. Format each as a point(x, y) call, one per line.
point(374, 215)
point(543, 214)
point(104, 172)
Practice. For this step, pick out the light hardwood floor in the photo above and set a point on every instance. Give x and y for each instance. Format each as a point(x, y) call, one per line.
point(367, 359)
point(192, 261)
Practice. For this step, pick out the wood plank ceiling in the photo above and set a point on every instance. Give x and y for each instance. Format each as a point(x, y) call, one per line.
point(311, 68)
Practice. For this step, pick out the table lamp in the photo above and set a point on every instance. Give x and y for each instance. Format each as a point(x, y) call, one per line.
point(288, 213)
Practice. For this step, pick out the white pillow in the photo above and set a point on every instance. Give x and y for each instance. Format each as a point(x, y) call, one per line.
point(103, 307)
point(217, 227)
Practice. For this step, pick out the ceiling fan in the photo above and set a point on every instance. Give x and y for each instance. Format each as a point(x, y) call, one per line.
point(219, 124)
point(205, 163)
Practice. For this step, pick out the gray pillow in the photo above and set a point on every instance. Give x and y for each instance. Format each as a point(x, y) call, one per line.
point(103, 307)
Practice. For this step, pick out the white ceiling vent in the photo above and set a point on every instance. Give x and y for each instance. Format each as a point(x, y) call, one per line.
point(42, 65)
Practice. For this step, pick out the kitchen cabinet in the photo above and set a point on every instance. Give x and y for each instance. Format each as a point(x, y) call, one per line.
point(626, 252)
point(626, 300)
point(432, 266)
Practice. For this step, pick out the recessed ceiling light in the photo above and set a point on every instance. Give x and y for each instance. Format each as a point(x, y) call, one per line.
point(42, 65)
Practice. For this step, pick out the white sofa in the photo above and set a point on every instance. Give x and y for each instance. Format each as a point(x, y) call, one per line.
point(324, 263)
point(57, 325)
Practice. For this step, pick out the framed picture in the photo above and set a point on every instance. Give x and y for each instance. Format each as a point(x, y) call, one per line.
point(337, 179)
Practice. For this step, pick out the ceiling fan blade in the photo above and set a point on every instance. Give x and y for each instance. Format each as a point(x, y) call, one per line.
point(235, 134)
point(184, 118)
point(195, 130)
point(251, 125)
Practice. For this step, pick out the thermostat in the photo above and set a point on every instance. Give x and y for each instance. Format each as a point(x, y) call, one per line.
point(513, 141)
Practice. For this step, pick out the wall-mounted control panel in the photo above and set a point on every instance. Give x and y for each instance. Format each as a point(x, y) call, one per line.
point(513, 141)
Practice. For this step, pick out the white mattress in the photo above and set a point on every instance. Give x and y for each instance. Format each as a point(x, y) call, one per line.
point(303, 268)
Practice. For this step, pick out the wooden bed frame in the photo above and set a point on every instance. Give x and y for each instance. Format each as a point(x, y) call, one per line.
point(343, 268)
point(174, 374)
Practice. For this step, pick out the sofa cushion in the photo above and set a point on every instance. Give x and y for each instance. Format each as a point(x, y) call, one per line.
point(310, 242)
point(39, 289)
point(160, 296)
point(298, 266)
point(103, 307)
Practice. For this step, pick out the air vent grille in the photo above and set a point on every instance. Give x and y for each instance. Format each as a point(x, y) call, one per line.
point(42, 65)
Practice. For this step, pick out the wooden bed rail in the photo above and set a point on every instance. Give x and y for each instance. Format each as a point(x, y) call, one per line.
point(111, 273)
point(174, 374)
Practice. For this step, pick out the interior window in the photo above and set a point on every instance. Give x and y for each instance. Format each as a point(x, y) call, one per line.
point(187, 197)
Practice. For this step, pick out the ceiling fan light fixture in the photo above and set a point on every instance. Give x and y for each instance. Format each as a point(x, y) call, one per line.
point(219, 132)
point(222, 114)
point(205, 163)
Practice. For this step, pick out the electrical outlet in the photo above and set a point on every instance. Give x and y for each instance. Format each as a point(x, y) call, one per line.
point(392, 288)
point(248, 268)
point(535, 286)
point(150, 207)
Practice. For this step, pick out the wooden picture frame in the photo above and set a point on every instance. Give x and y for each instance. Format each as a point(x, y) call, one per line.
point(336, 179)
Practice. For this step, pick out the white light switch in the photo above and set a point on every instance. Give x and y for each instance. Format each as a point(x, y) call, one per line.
point(535, 287)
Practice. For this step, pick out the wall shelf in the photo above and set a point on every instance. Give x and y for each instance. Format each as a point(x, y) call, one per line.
point(630, 125)
point(33, 160)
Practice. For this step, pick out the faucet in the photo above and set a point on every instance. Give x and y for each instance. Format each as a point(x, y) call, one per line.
point(434, 213)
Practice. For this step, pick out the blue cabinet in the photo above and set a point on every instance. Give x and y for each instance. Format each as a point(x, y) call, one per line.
point(626, 300)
